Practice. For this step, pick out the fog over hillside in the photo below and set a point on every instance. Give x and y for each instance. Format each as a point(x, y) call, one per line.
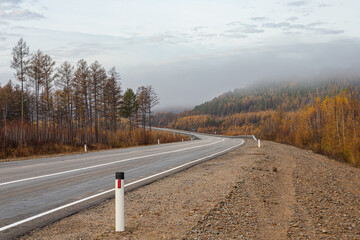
point(206, 79)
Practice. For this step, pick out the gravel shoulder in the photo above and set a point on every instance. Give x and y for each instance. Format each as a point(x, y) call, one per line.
point(275, 192)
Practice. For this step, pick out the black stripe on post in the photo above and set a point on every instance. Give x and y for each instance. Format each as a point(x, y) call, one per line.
point(119, 175)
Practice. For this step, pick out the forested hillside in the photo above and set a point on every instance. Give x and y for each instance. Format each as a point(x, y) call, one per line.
point(321, 115)
point(59, 108)
point(290, 96)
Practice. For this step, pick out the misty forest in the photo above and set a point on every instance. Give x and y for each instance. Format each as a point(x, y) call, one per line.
point(323, 116)
point(56, 109)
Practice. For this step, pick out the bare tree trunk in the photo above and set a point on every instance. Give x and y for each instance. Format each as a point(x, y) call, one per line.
point(96, 117)
point(5, 133)
point(150, 119)
point(114, 116)
point(37, 111)
point(86, 120)
point(22, 108)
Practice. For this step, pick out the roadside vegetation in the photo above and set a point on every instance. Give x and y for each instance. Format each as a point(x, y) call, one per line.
point(321, 116)
point(59, 108)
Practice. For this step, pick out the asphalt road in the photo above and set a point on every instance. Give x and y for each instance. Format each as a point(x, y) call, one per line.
point(34, 193)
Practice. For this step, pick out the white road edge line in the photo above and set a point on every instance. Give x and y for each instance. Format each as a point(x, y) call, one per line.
point(162, 147)
point(108, 191)
point(105, 164)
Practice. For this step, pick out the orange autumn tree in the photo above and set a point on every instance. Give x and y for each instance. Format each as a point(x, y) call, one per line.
point(323, 117)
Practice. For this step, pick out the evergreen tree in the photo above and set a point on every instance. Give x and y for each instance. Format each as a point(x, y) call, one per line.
point(36, 74)
point(112, 92)
point(20, 62)
point(65, 80)
point(97, 79)
point(81, 86)
point(130, 106)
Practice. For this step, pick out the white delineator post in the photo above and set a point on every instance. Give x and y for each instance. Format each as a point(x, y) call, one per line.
point(85, 147)
point(258, 143)
point(158, 141)
point(119, 202)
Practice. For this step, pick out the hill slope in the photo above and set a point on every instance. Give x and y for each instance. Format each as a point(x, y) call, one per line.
point(290, 96)
point(322, 116)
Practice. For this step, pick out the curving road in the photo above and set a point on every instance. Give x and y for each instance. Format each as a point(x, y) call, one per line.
point(34, 193)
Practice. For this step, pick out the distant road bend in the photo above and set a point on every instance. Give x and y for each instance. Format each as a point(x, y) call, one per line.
point(34, 193)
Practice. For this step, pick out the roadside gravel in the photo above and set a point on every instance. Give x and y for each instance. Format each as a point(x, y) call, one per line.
point(276, 192)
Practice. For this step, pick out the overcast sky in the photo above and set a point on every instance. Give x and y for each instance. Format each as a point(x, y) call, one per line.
point(190, 50)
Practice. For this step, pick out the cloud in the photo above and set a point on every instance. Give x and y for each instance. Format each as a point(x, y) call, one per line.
point(287, 27)
point(20, 15)
point(328, 31)
point(234, 23)
point(160, 37)
point(314, 24)
point(4, 23)
point(233, 35)
point(297, 3)
point(5, 35)
point(296, 26)
point(252, 29)
point(9, 5)
point(276, 25)
point(244, 28)
point(198, 28)
point(200, 32)
point(207, 35)
point(168, 37)
point(291, 33)
point(311, 27)
point(292, 19)
point(323, 5)
point(259, 19)
point(77, 50)
point(11, 10)
point(10, 2)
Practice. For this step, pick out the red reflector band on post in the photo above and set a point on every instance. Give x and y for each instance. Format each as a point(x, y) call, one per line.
point(119, 183)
